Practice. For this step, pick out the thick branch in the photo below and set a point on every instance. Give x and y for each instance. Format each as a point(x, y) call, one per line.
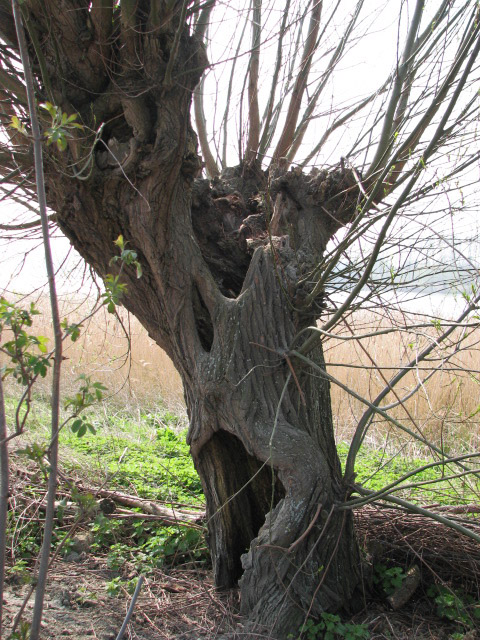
point(253, 111)
point(288, 133)
point(398, 87)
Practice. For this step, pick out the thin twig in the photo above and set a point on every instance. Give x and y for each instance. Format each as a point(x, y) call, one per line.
point(130, 608)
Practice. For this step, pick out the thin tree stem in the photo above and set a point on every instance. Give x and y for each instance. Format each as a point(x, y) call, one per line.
point(4, 491)
point(398, 86)
point(57, 359)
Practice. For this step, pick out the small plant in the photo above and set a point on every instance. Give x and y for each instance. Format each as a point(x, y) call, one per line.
point(85, 597)
point(127, 256)
point(117, 585)
point(106, 532)
point(388, 578)
point(114, 289)
point(27, 353)
point(23, 631)
point(61, 125)
point(330, 627)
point(88, 394)
point(114, 586)
point(36, 452)
point(118, 556)
point(454, 606)
point(19, 572)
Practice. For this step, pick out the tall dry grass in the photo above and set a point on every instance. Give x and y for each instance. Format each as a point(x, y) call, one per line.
point(137, 372)
point(115, 351)
point(443, 409)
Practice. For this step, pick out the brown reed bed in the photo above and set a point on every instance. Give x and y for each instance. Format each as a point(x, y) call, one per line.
point(118, 352)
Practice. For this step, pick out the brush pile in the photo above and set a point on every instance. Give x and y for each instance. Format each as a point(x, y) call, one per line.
point(443, 554)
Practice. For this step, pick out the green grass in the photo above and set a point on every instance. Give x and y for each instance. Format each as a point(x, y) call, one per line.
point(158, 469)
point(145, 453)
point(142, 454)
point(376, 468)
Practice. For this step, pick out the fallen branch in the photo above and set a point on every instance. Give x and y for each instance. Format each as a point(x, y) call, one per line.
point(149, 507)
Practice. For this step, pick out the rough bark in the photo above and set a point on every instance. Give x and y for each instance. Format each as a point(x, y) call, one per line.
point(226, 269)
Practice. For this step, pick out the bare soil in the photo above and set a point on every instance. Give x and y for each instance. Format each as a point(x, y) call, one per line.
point(181, 604)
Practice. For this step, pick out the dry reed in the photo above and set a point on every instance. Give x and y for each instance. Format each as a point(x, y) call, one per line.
point(118, 352)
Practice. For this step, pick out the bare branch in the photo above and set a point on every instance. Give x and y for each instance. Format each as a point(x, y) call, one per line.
point(210, 163)
point(253, 111)
point(288, 133)
point(403, 153)
point(229, 95)
point(13, 85)
point(340, 122)
point(365, 419)
point(267, 120)
point(26, 225)
point(312, 103)
point(413, 508)
point(398, 87)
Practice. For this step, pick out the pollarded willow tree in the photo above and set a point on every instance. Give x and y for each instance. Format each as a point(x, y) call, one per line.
point(237, 262)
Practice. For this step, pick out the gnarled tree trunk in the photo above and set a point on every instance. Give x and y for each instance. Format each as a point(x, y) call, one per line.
point(261, 438)
point(223, 292)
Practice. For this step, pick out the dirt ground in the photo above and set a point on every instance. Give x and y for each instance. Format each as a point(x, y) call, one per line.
point(181, 605)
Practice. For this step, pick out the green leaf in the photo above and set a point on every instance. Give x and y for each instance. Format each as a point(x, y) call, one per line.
point(62, 143)
point(119, 242)
point(15, 123)
point(76, 424)
point(48, 106)
point(41, 343)
point(82, 430)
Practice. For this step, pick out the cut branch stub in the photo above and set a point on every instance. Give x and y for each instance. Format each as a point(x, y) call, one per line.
point(312, 208)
